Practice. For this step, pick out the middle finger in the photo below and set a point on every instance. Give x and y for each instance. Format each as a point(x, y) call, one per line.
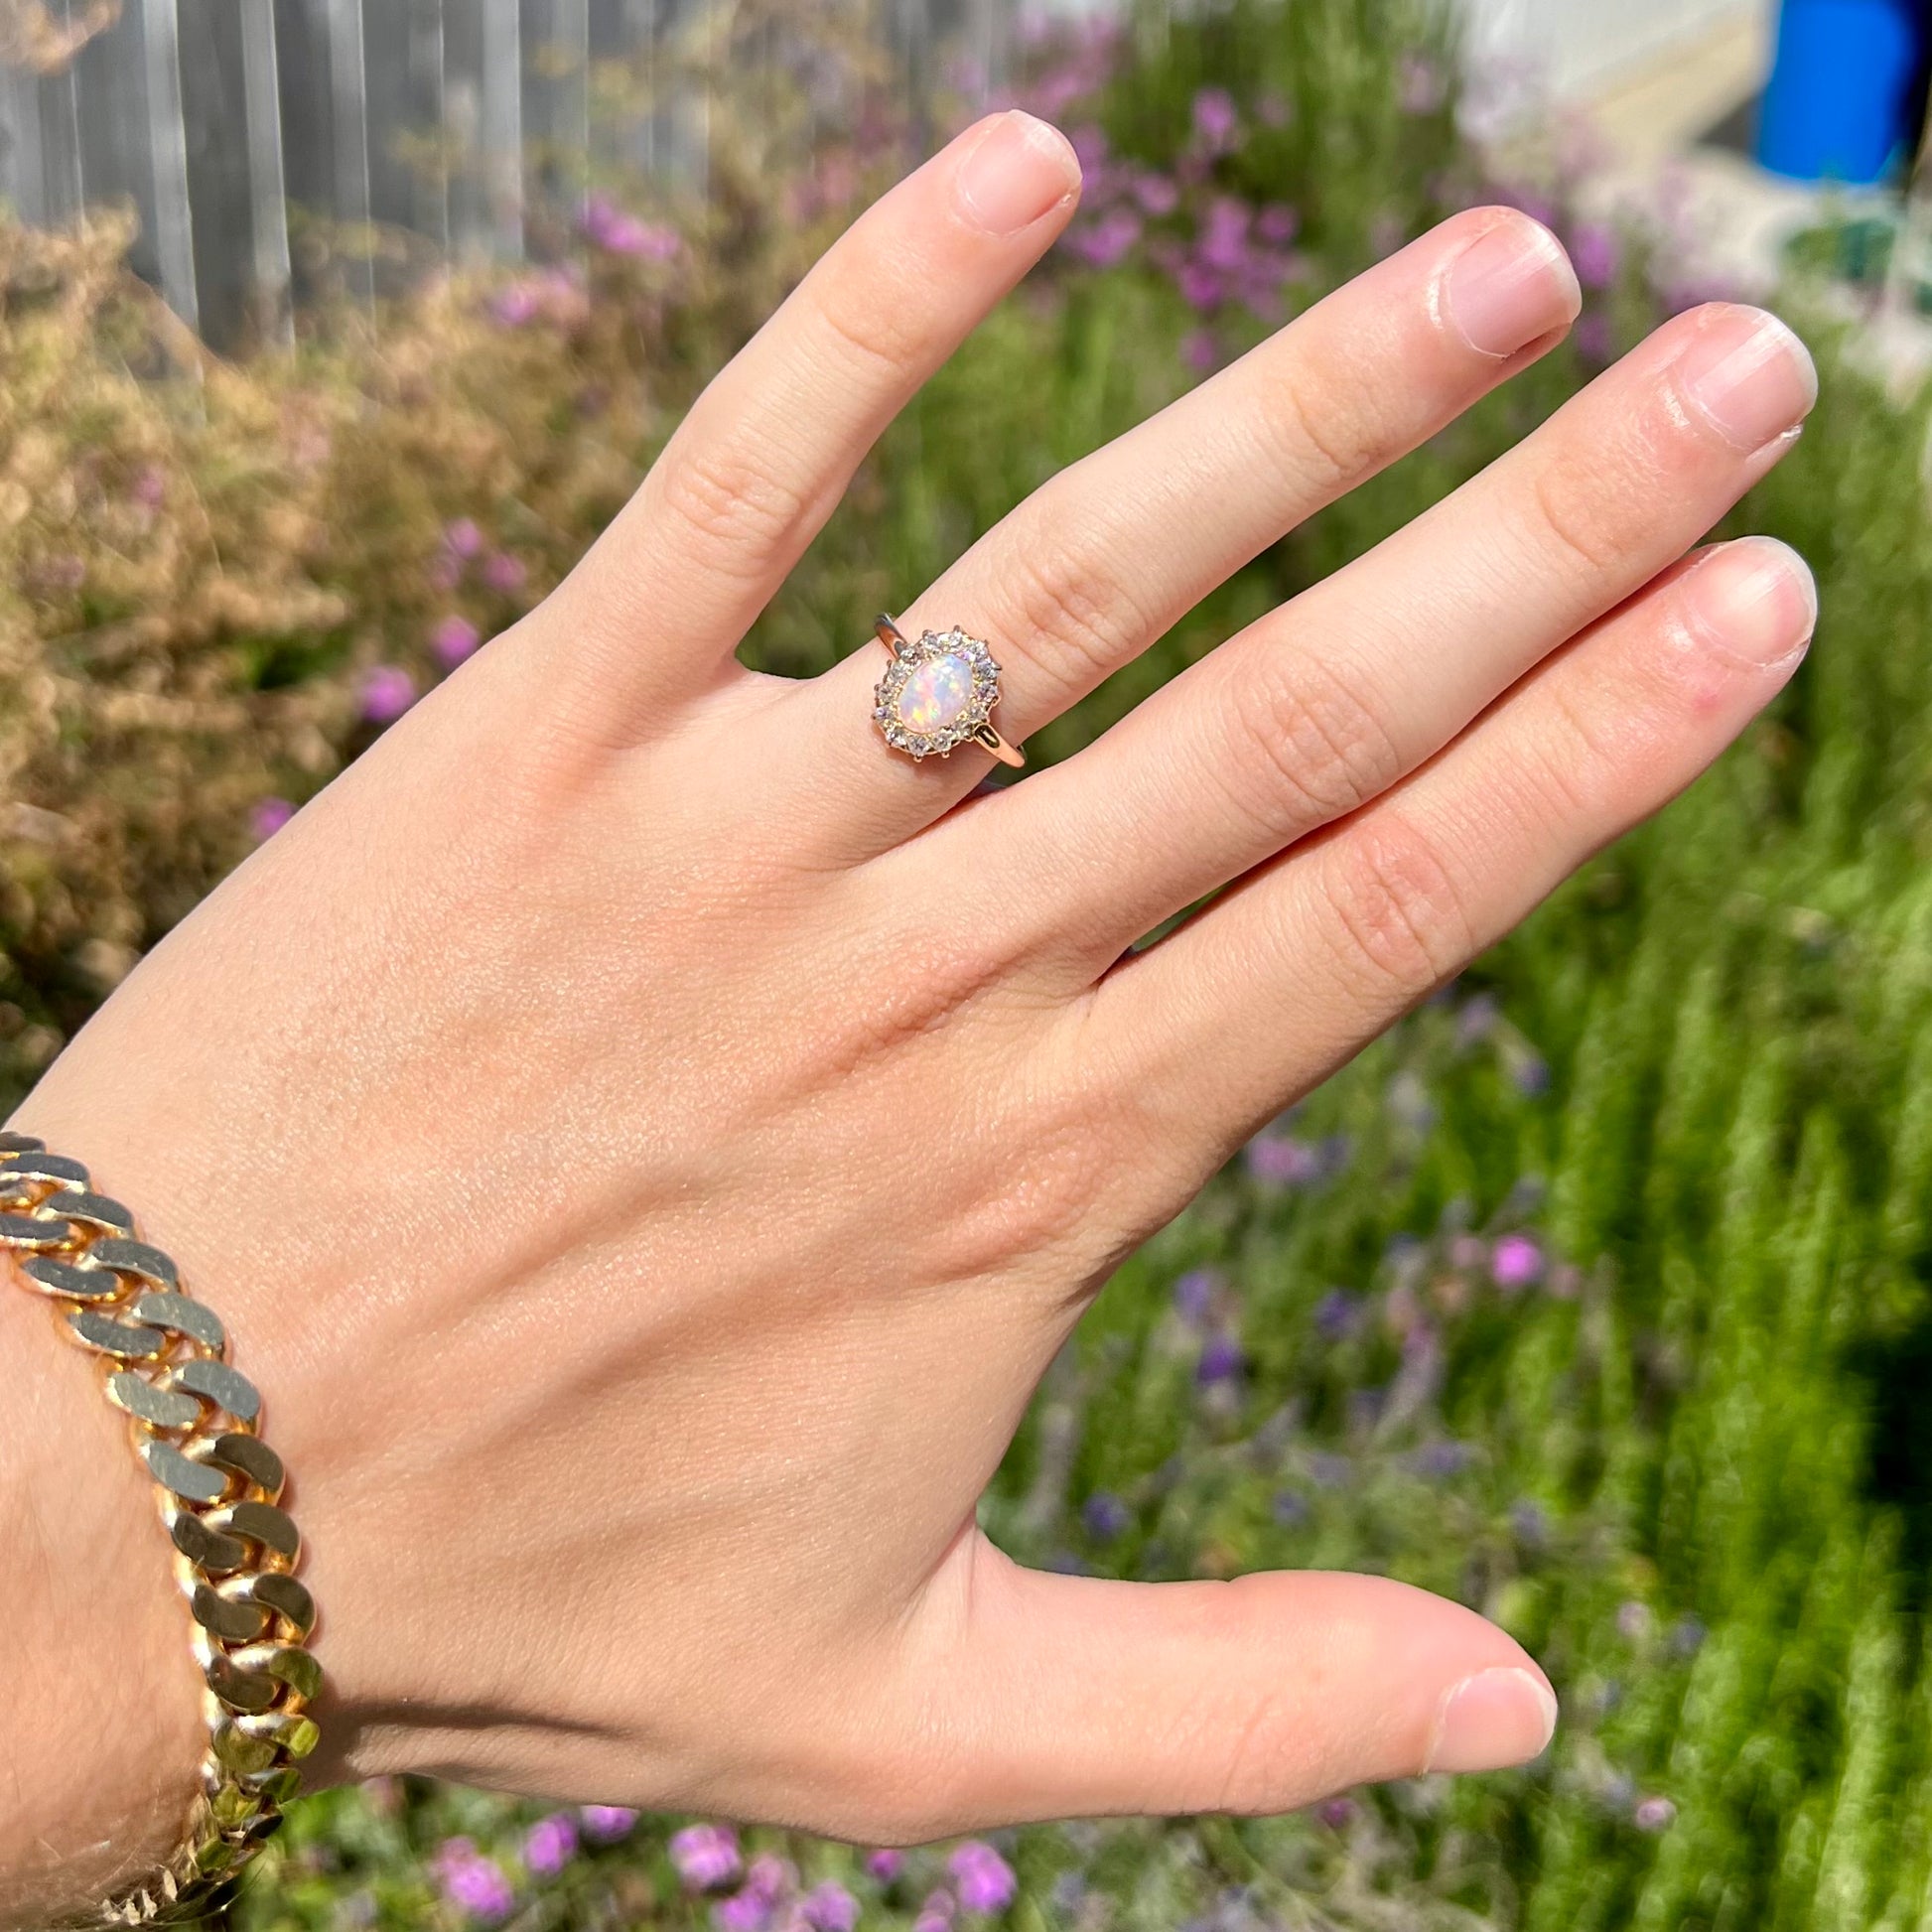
point(1108, 555)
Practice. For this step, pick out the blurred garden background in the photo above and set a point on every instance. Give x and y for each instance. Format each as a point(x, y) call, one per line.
point(1597, 1296)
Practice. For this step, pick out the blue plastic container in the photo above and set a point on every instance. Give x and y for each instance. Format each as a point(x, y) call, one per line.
point(1840, 102)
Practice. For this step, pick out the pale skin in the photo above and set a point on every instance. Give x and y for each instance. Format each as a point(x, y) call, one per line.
point(648, 1201)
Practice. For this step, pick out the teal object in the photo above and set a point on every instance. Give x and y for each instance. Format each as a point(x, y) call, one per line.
point(1842, 99)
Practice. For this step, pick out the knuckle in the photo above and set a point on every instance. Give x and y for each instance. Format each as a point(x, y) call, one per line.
point(1044, 1205)
point(730, 501)
point(1575, 514)
point(1398, 912)
point(1081, 628)
point(1319, 447)
point(1573, 763)
point(884, 338)
point(1034, 1208)
point(1309, 750)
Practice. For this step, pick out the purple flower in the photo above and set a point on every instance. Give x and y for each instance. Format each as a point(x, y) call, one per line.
point(1475, 1018)
point(388, 692)
point(550, 1845)
point(1194, 1292)
point(1105, 1516)
point(464, 539)
point(1443, 1458)
point(1595, 255)
point(742, 1911)
point(1281, 1160)
point(268, 818)
point(1224, 240)
point(444, 574)
point(1220, 1360)
point(1529, 1522)
point(932, 1921)
point(770, 1878)
point(1687, 1636)
point(1102, 243)
point(985, 1880)
point(621, 232)
point(150, 486)
point(1634, 1620)
point(1338, 1315)
point(453, 639)
point(551, 295)
point(939, 1904)
point(473, 1884)
point(504, 574)
point(1337, 1813)
point(830, 1908)
point(885, 1865)
point(605, 1824)
point(1596, 340)
point(1289, 1510)
point(1157, 194)
point(1200, 288)
point(1215, 120)
point(515, 305)
point(1516, 1262)
point(1418, 84)
point(1089, 145)
point(1277, 224)
point(1200, 351)
point(1531, 1073)
point(1654, 1815)
point(705, 1856)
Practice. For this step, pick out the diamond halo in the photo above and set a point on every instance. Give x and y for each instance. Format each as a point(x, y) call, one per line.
point(937, 694)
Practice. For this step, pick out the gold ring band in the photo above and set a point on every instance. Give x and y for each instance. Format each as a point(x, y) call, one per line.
point(938, 694)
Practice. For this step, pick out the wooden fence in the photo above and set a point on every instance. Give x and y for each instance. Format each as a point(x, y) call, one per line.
point(446, 121)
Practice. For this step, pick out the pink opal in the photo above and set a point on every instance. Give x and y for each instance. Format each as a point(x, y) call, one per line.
point(935, 694)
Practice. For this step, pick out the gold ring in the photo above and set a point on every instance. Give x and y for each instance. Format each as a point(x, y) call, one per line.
point(939, 694)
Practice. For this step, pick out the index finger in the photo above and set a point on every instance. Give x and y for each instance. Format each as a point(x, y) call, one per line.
point(667, 591)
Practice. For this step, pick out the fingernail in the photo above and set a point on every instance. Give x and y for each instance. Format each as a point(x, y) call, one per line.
point(1494, 1718)
point(1020, 170)
point(1756, 600)
point(1752, 384)
point(1510, 286)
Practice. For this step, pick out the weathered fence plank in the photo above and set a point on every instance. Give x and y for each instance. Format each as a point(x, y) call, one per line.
point(402, 56)
point(59, 117)
point(268, 209)
point(21, 178)
point(502, 124)
point(213, 83)
point(276, 148)
point(556, 99)
point(106, 92)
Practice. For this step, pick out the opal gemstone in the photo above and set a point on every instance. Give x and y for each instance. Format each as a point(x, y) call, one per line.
point(935, 694)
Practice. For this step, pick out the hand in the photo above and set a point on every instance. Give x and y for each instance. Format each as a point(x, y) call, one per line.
point(648, 1138)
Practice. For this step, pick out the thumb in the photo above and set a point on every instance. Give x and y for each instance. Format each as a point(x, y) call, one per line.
point(1079, 1696)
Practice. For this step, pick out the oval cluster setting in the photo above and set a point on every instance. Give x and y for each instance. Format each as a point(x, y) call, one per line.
point(938, 694)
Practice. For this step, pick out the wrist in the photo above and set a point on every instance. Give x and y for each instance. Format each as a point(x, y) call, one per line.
point(101, 1731)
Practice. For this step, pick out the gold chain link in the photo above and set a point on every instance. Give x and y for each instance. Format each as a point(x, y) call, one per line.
point(196, 1421)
